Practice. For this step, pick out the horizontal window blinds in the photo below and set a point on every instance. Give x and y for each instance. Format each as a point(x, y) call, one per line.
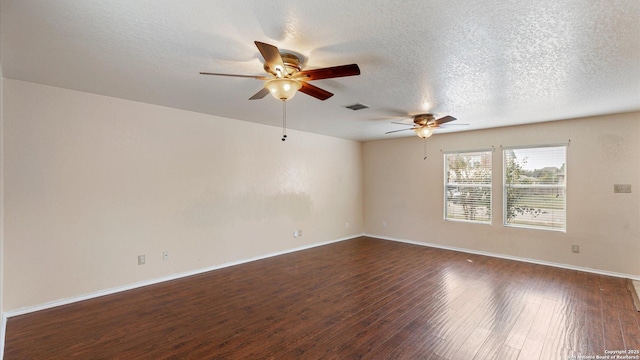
point(535, 187)
point(468, 186)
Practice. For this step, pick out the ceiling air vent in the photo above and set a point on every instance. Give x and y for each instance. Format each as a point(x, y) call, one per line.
point(357, 106)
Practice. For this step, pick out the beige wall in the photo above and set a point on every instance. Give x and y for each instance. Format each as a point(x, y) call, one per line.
point(406, 192)
point(1, 216)
point(92, 182)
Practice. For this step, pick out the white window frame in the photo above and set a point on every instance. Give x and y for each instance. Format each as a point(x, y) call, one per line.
point(559, 187)
point(489, 185)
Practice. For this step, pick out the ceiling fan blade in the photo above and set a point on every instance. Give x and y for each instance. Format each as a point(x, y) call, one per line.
point(402, 123)
point(444, 126)
point(328, 73)
point(260, 94)
point(315, 91)
point(271, 56)
point(235, 75)
point(394, 131)
point(445, 119)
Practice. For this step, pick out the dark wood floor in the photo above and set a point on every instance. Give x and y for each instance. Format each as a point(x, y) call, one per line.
point(362, 298)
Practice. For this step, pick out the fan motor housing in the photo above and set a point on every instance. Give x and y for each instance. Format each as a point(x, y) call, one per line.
point(423, 119)
point(292, 64)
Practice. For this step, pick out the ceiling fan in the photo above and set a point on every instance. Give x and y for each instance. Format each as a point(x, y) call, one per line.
point(285, 75)
point(425, 124)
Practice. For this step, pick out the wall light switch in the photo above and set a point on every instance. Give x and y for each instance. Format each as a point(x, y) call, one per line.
point(622, 188)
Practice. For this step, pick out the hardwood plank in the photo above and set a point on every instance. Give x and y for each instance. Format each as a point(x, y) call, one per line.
point(531, 350)
point(363, 298)
point(540, 326)
point(508, 353)
point(518, 334)
point(556, 345)
point(472, 344)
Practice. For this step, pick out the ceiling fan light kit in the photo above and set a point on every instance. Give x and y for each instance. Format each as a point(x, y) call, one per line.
point(424, 132)
point(283, 88)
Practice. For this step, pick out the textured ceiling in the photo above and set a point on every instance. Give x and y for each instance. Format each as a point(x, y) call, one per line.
point(488, 63)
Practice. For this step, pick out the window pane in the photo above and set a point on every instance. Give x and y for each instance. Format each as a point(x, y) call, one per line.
point(468, 186)
point(535, 186)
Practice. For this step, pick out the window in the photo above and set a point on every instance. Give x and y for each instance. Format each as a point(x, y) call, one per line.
point(535, 187)
point(467, 193)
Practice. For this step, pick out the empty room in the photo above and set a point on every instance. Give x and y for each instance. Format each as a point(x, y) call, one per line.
point(320, 180)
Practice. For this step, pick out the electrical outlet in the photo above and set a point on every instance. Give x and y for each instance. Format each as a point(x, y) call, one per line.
point(384, 224)
point(346, 225)
point(165, 255)
point(575, 249)
point(141, 260)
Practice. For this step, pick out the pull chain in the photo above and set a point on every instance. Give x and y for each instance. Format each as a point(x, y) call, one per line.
point(284, 120)
point(425, 148)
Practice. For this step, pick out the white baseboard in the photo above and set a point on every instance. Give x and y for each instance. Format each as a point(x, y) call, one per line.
point(509, 257)
point(66, 301)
